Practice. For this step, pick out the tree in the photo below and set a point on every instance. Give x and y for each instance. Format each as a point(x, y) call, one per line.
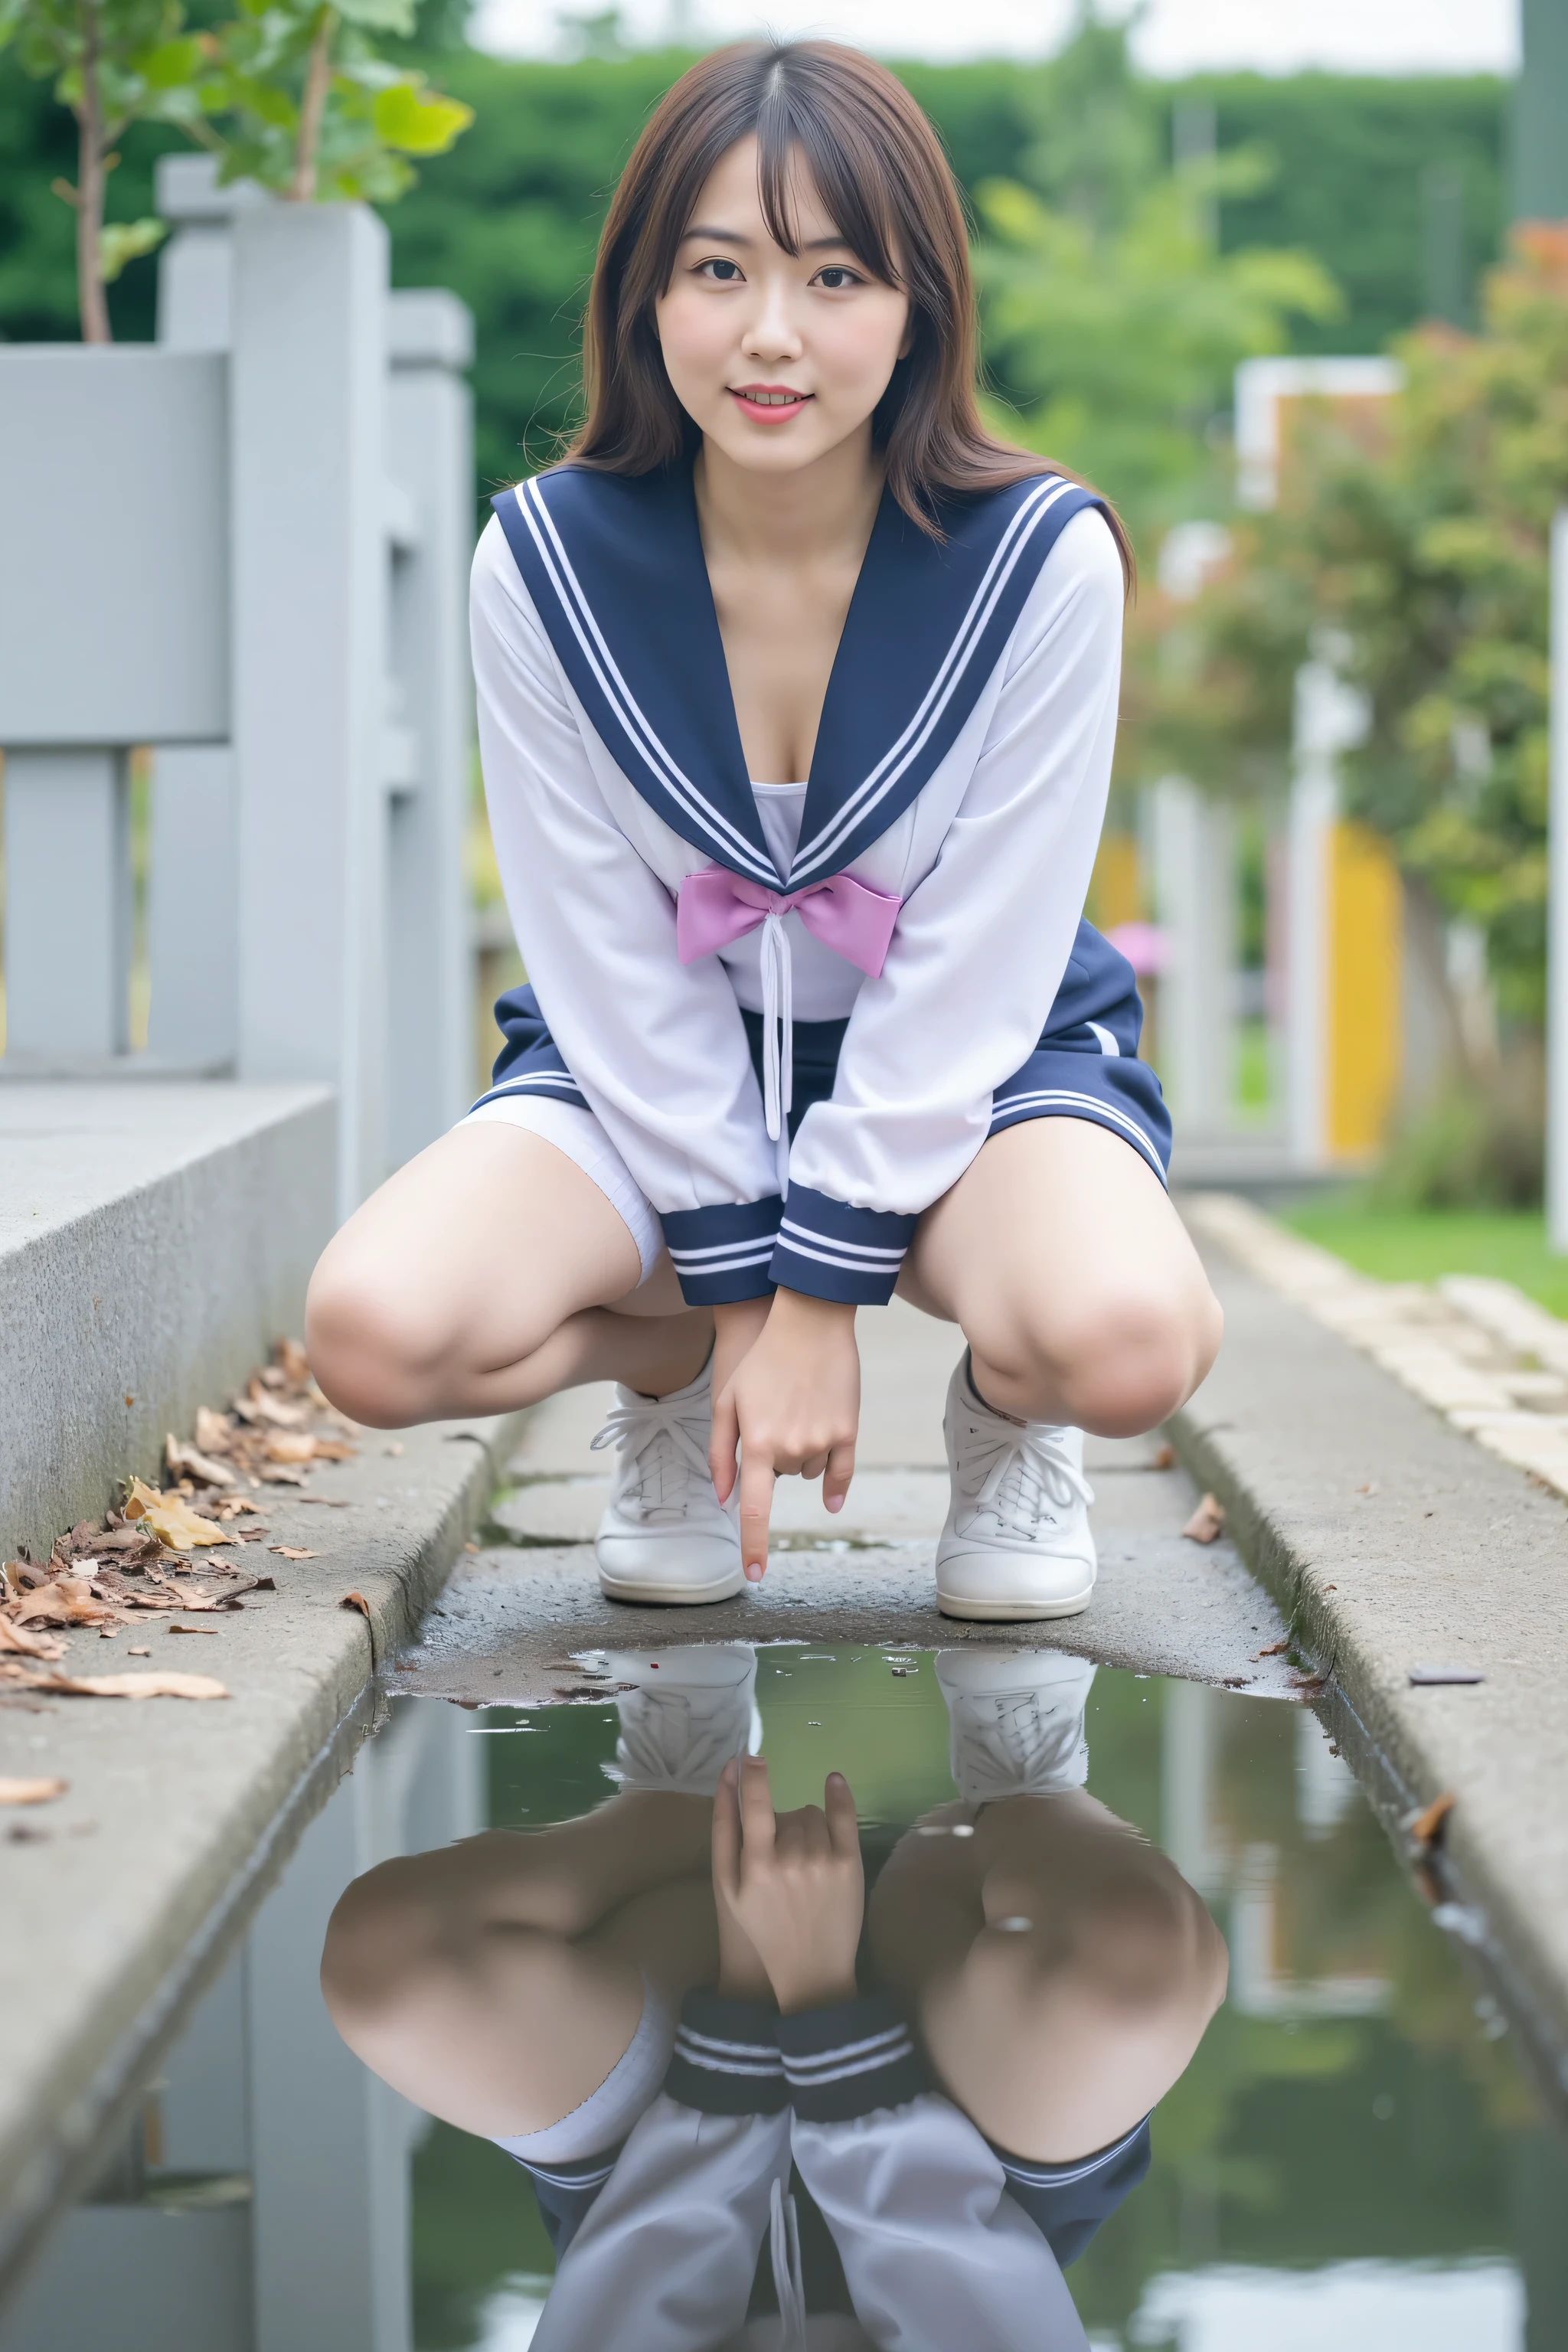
point(1425, 561)
point(1114, 323)
point(290, 92)
point(112, 62)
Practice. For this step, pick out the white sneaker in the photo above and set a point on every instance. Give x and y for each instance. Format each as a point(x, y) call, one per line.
point(665, 1537)
point(692, 1709)
point(1016, 1721)
point(1016, 1542)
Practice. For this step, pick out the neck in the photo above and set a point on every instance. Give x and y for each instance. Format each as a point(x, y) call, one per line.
point(821, 513)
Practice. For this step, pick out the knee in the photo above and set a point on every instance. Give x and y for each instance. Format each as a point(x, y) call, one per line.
point(377, 1938)
point(1117, 1361)
point(372, 1353)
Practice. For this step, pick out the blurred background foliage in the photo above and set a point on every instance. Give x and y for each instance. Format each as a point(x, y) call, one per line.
point(1334, 170)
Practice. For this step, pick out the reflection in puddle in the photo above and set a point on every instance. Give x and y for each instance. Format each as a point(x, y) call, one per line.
point(769, 2091)
point(1349, 2158)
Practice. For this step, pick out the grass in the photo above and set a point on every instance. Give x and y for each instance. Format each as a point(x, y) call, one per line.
point(1420, 1244)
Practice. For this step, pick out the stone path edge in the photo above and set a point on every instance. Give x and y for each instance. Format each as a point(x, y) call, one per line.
point(124, 1927)
point(1389, 1540)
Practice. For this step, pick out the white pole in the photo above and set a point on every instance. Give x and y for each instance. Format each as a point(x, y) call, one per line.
point(1557, 904)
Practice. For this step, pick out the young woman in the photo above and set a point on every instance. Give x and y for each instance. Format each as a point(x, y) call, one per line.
point(797, 696)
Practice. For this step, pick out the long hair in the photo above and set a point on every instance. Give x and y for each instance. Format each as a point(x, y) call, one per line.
point(881, 171)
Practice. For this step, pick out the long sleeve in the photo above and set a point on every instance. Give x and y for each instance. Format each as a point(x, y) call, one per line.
point(934, 2251)
point(658, 1047)
point(980, 948)
point(665, 2260)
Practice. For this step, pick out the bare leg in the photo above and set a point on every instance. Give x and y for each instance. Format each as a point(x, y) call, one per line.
point(497, 1982)
point(487, 1274)
point(1076, 1288)
point(1056, 2037)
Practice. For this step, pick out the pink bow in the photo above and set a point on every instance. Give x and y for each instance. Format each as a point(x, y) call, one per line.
point(715, 907)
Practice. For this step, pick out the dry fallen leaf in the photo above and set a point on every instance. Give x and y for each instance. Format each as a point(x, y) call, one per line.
point(137, 1654)
point(1165, 1459)
point(1427, 1826)
point(356, 1601)
point(292, 1361)
point(193, 1629)
point(183, 1461)
point(31, 1792)
point(171, 1520)
point(68, 1600)
point(1275, 1650)
point(1206, 1522)
point(290, 1551)
point(214, 1434)
point(22, 1640)
point(153, 1686)
point(290, 1445)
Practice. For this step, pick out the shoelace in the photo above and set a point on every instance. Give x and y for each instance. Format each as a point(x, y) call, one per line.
point(654, 1427)
point(789, 2281)
point(1015, 1472)
point(1037, 1738)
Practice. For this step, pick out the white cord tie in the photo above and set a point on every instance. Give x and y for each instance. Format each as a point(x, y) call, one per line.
point(778, 1016)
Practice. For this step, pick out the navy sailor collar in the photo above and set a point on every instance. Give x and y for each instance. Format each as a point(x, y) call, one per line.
point(615, 569)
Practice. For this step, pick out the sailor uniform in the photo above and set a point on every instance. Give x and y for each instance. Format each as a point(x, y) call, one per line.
point(796, 1014)
point(805, 2165)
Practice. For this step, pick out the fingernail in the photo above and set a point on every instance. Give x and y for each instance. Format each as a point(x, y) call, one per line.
point(835, 1502)
point(753, 1571)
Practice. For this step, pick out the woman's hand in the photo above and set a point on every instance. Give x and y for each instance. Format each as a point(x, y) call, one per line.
point(789, 1888)
point(792, 1403)
point(736, 1331)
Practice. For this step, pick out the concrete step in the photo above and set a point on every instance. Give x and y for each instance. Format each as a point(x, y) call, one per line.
point(156, 1239)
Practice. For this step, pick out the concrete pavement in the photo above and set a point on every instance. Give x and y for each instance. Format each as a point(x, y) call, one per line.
point(513, 1611)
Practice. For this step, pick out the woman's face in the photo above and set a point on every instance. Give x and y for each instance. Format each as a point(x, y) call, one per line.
point(778, 358)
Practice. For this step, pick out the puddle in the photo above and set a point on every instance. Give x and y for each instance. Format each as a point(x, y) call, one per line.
point(1351, 2156)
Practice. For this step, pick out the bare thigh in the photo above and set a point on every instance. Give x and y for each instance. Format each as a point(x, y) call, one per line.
point(497, 1983)
point(1074, 1280)
point(486, 1274)
point(1057, 2035)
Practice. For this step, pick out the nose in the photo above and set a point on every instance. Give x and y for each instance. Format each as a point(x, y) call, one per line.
point(771, 332)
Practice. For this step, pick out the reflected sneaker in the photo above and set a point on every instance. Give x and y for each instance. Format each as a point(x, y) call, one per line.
point(1016, 1721)
point(691, 1711)
point(665, 1537)
point(1016, 1542)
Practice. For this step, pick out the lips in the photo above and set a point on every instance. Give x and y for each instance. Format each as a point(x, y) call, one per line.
point(769, 403)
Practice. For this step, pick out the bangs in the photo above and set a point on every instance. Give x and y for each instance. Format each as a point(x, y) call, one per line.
point(851, 172)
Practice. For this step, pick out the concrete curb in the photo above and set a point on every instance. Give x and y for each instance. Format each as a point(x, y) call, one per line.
point(1390, 1541)
point(154, 1240)
point(134, 1885)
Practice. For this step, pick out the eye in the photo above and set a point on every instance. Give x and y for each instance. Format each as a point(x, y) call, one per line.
point(719, 271)
point(836, 277)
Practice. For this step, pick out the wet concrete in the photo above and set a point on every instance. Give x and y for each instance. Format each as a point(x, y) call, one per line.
point(517, 1608)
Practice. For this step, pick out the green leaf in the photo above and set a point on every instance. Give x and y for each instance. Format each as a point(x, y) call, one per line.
point(171, 63)
point(419, 123)
point(380, 16)
point(124, 241)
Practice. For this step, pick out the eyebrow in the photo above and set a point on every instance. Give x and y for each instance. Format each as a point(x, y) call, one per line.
point(733, 237)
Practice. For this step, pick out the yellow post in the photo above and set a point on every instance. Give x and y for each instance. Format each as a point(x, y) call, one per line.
point(1365, 925)
point(1116, 889)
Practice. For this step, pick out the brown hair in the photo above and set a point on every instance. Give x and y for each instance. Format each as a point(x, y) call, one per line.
point(881, 174)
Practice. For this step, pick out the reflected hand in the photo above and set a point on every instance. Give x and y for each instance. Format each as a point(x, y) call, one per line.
point(790, 1885)
point(792, 1404)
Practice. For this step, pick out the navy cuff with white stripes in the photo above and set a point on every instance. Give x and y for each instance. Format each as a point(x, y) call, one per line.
point(850, 2060)
point(726, 2059)
point(721, 1253)
point(831, 1251)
